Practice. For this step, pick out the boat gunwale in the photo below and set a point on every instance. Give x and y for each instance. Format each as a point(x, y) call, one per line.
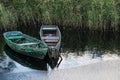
point(22, 47)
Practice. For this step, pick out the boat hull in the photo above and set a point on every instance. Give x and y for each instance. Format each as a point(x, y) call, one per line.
point(26, 49)
point(51, 37)
point(25, 60)
point(50, 28)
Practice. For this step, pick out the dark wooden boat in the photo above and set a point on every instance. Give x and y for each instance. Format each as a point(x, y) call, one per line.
point(26, 61)
point(25, 44)
point(51, 36)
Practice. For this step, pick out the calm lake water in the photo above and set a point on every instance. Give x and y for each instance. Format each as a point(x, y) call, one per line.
point(78, 48)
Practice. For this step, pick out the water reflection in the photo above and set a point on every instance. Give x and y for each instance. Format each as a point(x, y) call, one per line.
point(6, 64)
point(77, 41)
point(25, 60)
point(80, 40)
point(88, 44)
point(2, 43)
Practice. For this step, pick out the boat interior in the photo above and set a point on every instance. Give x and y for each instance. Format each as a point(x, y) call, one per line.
point(50, 37)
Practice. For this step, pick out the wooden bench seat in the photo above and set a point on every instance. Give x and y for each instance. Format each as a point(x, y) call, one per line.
point(52, 38)
point(49, 40)
point(27, 44)
point(15, 37)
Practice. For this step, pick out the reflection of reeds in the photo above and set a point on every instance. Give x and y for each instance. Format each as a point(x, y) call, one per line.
point(102, 14)
point(2, 43)
point(81, 41)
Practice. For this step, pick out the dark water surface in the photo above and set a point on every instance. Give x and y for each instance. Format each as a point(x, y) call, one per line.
point(78, 48)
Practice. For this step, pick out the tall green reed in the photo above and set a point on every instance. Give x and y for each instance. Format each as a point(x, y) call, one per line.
point(94, 14)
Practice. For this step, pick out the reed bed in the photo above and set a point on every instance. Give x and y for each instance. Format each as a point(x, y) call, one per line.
point(94, 14)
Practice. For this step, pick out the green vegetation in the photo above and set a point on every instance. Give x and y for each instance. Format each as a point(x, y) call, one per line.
point(95, 14)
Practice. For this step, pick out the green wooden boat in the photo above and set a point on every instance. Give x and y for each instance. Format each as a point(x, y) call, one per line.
point(25, 44)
